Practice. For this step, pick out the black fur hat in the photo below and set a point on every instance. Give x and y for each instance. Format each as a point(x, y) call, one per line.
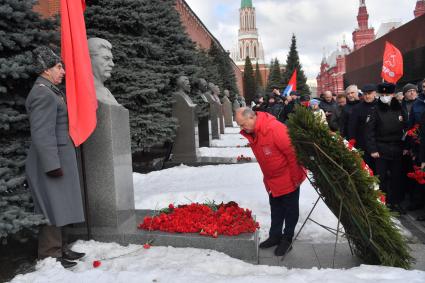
point(45, 58)
point(387, 88)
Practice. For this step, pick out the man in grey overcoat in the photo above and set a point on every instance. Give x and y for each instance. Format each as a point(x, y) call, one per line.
point(51, 165)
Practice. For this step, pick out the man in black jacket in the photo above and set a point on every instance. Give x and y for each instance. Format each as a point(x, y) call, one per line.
point(329, 106)
point(352, 94)
point(384, 133)
point(409, 186)
point(357, 122)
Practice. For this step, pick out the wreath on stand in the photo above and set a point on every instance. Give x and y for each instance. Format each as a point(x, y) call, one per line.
point(346, 185)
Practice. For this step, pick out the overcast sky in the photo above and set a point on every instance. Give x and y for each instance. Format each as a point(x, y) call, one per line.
point(318, 24)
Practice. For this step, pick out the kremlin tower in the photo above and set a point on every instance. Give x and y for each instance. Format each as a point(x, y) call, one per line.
point(248, 40)
point(363, 34)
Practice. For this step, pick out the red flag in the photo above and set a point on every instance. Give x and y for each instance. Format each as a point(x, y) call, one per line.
point(392, 67)
point(293, 80)
point(292, 84)
point(80, 90)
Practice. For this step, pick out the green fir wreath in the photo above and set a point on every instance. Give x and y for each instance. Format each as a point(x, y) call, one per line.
point(347, 188)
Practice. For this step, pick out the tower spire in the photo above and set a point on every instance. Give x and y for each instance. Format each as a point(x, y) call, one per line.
point(363, 34)
point(249, 43)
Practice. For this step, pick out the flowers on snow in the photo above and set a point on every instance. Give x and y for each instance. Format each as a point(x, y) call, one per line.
point(243, 158)
point(206, 219)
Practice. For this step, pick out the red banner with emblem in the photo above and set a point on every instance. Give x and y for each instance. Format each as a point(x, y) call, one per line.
point(392, 67)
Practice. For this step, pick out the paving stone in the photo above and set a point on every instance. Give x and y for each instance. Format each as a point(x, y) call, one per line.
point(343, 256)
point(418, 252)
point(302, 255)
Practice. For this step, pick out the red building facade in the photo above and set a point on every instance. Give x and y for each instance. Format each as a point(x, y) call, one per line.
point(363, 34)
point(333, 68)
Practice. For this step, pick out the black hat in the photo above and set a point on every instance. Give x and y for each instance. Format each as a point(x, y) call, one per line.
point(408, 87)
point(369, 88)
point(386, 88)
point(305, 97)
point(45, 58)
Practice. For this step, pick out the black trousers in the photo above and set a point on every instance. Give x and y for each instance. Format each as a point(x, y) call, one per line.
point(52, 241)
point(417, 192)
point(284, 209)
point(389, 172)
point(407, 184)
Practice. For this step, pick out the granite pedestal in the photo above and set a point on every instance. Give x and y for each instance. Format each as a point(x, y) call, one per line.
point(204, 132)
point(214, 116)
point(244, 246)
point(108, 168)
point(186, 142)
point(221, 118)
point(227, 112)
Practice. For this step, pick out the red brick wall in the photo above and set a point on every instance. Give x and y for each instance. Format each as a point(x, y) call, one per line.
point(47, 8)
point(194, 27)
point(200, 34)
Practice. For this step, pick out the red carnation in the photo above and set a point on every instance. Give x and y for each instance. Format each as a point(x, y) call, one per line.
point(146, 246)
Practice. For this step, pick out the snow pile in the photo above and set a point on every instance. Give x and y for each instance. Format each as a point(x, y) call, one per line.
point(229, 152)
point(167, 264)
point(242, 183)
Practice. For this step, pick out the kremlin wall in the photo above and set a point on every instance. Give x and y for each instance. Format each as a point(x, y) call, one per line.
point(363, 65)
point(195, 29)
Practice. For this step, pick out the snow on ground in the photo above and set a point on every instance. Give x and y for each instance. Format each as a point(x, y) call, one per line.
point(230, 140)
point(229, 152)
point(234, 130)
point(242, 183)
point(167, 264)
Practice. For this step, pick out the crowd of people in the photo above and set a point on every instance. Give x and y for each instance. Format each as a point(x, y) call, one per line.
point(380, 123)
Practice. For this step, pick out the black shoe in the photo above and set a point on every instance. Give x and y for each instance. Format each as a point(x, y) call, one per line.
point(71, 255)
point(270, 242)
point(284, 247)
point(65, 263)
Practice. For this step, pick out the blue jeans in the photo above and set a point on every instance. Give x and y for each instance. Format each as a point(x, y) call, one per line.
point(284, 209)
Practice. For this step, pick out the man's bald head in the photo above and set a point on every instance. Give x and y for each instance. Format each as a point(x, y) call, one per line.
point(245, 117)
point(327, 96)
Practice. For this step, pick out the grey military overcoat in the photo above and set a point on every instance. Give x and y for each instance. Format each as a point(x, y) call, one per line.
point(57, 198)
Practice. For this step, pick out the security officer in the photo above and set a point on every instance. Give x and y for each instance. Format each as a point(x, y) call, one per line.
point(384, 134)
point(357, 120)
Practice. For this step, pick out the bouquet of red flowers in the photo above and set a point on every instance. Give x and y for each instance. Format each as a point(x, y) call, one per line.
point(413, 133)
point(243, 158)
point(418, 175)
point(206, 219)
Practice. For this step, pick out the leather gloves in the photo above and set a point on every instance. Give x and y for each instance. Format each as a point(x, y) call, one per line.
point(55, 173)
